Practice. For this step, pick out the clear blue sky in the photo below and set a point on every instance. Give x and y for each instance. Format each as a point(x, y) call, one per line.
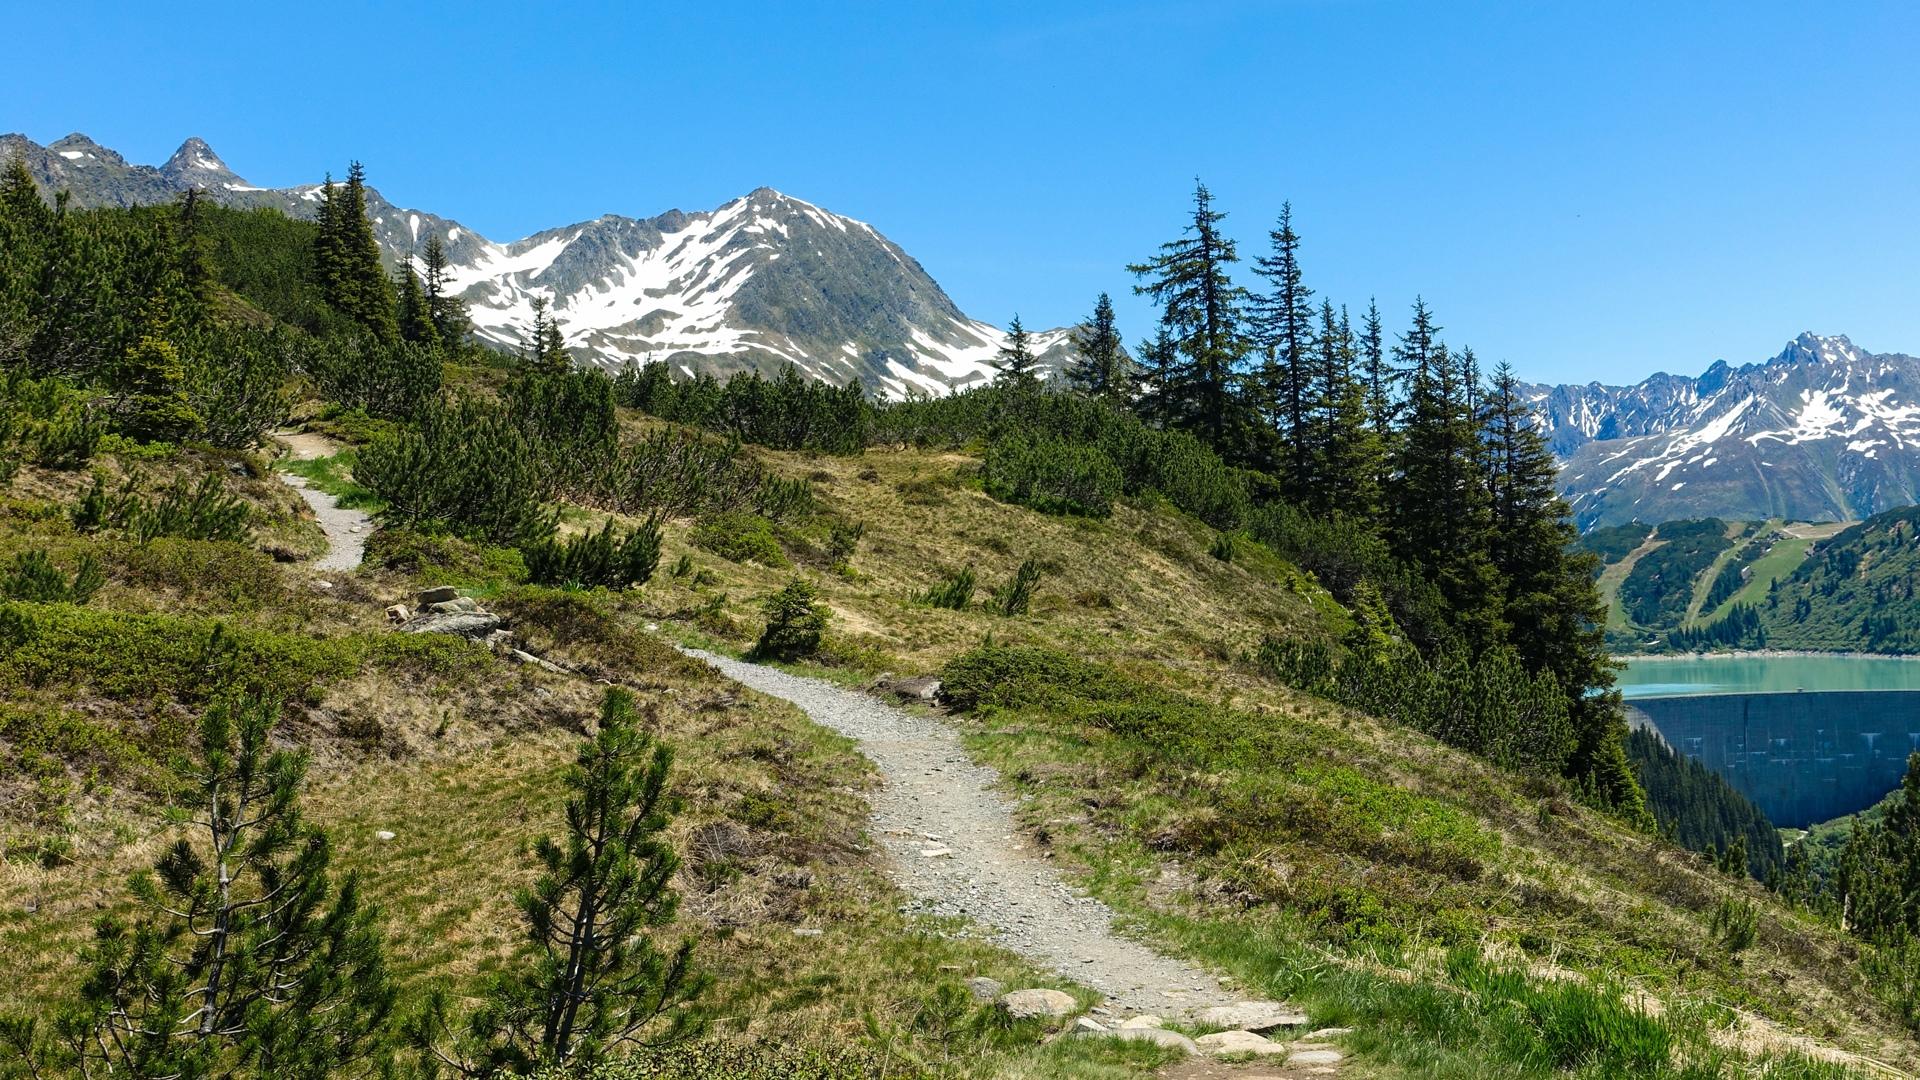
point(1587, 190)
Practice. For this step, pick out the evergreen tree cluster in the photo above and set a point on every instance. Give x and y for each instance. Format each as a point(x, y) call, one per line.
point(1700, 811)
point(1739, 628)
point(785, 413)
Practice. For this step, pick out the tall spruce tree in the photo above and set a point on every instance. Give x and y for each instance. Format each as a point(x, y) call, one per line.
point(1283, 327)
point(1161, 396)
point(546, 349)
point(449, 312)
point(1346, 468)
point(1100, 369)
point(346, 258)
point(1017, 366)
point(1204, 312)
point(413, 311)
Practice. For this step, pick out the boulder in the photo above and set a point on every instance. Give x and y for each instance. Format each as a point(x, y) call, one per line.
point(1239, 1042)
point(439, 594)
point(1251, 1016)
point(985, 989)
point(458, 603)
point(472, 624)
point(1157, 1036)
point(924, 688)
point(398, 613)
point(1148, 1021)
point(1027, 1004)
point(1087, 1025)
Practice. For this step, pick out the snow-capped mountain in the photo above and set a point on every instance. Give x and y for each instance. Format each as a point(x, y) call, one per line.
point(1825, 431)
point(763, 281)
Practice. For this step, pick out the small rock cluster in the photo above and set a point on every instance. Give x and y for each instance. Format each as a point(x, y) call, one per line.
point(443, 610)
point(1247, 1025)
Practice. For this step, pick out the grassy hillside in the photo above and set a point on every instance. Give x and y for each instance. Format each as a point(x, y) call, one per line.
point(1855, 592)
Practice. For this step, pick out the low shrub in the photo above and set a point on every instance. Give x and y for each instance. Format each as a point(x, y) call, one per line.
point(1051, 476)
point(1016, 596)
point(465, 469)
point(796, 620)
point(716, 1060)
point(596, 559)
point(414, 552)
point(739, 537)
point(189, 511)
point(34, 577)
point(954, 593)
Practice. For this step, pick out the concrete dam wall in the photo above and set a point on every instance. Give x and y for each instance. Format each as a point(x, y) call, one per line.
point(1802, 758)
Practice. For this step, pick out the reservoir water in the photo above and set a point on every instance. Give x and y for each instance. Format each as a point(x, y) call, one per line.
point(1807, 738)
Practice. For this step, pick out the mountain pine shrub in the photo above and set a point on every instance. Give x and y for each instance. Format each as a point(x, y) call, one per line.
point(1051, 476)
point(1016, 596)
point(183, 509)
point(595, 559)
point(954, 593)
point(464, 468)
point(33, 577)
point(738, 536)
point(796, 621)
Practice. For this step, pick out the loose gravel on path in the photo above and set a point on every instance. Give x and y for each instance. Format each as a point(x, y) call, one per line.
point(346, 529)
point(952, 843)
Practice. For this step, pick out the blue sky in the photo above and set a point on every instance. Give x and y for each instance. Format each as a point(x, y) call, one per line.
point(1590, 191)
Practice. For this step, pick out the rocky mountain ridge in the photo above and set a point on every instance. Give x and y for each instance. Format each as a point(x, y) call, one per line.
point(762, 281)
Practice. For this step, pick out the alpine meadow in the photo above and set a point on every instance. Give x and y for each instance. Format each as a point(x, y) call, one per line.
point(693, 646)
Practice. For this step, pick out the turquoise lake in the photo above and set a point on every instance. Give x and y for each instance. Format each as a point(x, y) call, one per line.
point(1686, 676)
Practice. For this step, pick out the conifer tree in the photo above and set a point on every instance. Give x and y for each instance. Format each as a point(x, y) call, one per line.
point(1017, 366)
point(1204, 311)
point(1101, 369)
point(448, 312)
point(1283, 326)
point(249, 960)
point(414, 314)
point(1160, 393)
point(347, 258)
point(546, 349)
point(1379, 376)
point(1346, 466)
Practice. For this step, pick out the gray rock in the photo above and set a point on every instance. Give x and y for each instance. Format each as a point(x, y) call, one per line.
point(985, 989)
point(1251, 1016)
point(439, 594)
point(398, 613)
point(1315, 1057)
point(521, 656)
point(1026, 1004)
point(500, 640)
point(458, 603)
point(1329, 1033)
point(1144, 1021)
point(1088, 1026)
point(1239, 1042)
point(924, 688)
point(472, 624)
point(1157, 1036)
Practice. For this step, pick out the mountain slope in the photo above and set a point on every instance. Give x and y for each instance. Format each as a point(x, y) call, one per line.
point(1825, 431)
point(763, 281)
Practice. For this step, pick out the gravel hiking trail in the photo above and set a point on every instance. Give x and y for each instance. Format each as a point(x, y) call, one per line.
point(953, 844)
point(346, 529)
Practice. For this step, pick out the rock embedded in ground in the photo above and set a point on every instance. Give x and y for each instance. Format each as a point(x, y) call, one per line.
point(1253, 1016)
point(1315, 1057)
point(1028, 1004)
point(924, 688)
point(1157, 1036)
point(398, 613)
point(1086, 1025)
point(1239, 1042)
point(985, 989)
point(472, 624)
point(1145, 1021)
point(1328, 1033)
point(439, 594)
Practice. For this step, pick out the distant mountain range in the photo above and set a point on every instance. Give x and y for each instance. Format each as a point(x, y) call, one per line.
point(762, 281)
point(1825, 431)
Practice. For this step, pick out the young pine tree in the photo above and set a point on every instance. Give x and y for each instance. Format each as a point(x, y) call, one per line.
point(249, 959)
point(347, 258)
point(1203, 309)
point(414, 314)
point(1018, 367)
point(1283, 326)
point(597, 982)
point(1100, 371)
point(1161, 395)
point(448, 312)
point(1346, 464)
point(546, 349)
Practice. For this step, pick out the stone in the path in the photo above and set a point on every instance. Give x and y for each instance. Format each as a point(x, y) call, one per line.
point(1328, 1033)
point(1027, 1004)
point(935, 852)
point(1143, 1021)
point(1157, 1036)
point(439, 594)
point(1239, 1042)
point(985, 989)
point(1315, 1057)
point(1251, 1016)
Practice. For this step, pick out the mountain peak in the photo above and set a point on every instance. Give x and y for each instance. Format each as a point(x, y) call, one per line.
point(81, 150)
point(1810, 347)
point(196, 165)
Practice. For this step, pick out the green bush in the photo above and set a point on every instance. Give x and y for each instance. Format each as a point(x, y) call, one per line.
point(189, 511)
point(796, 621)
point(843, 540)
point(595, 559)
point(1017, 595)
point(954, 593)
point(1735, 923)
point(740, 537)
point(1011, 676)
point(1051, 476)
point(33, 577)
point(465, 469)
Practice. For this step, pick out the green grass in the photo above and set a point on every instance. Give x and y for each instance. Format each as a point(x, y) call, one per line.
point(334, 475)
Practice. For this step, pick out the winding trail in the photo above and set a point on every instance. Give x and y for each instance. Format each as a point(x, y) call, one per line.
point(346, 529)
point(953, 844)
